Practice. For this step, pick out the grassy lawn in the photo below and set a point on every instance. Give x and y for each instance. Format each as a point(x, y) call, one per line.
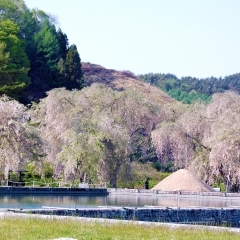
point(34, 228)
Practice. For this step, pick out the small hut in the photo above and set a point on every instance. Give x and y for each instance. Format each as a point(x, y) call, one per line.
point(183, 180)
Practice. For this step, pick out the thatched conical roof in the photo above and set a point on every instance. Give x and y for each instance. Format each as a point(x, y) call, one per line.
point(183, 180)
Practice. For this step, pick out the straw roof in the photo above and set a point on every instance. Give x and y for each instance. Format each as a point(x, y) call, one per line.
point(183, 180)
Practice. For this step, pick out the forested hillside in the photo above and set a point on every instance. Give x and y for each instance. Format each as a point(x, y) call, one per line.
point(35, 57)
point(190, 89)
point(104, 134)
point(63, 119)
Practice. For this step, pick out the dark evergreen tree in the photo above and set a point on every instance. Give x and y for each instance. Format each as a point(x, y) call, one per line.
point(44, 65)
point(63, 43)
point(73, 69)
point(28, 28)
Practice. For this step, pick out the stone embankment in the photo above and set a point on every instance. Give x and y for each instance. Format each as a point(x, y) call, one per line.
point(209, 216)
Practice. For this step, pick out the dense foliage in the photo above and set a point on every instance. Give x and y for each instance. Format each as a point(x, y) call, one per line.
point(190, 89)
point(104, 135)
point(96, 133)
point(14, 64)
point(20, 143)
point(120, 133)
point(34, 56)
point(204, 138)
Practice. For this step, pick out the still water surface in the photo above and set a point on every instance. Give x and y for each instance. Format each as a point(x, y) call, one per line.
point(38, 201)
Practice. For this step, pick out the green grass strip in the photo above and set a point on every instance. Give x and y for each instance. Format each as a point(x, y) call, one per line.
point(35, 228)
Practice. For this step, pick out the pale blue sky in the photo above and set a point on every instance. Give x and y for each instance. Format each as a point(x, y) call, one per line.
point(198, 38)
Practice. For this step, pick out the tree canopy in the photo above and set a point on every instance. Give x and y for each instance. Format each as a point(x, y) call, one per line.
point(14, 61)
point(191, 89)
point(31, 53)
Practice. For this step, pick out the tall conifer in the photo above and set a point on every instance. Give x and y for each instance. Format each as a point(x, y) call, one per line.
point(73, 70)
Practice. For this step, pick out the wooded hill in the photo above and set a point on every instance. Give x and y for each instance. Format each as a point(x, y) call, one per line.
point(100, 124)
point(110, 130)
point(189, 89)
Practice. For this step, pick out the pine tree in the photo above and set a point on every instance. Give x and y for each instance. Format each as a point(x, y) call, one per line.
point(47, 56)
point(73, 69)
point(63, 43)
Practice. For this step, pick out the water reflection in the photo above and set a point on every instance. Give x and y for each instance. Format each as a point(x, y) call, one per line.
point(37, 201)
point(173, 201)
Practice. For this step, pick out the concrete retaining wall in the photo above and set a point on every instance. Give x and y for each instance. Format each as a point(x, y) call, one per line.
point(214, 217)
point(171, 193)
point(51, 191)
point(104, 191)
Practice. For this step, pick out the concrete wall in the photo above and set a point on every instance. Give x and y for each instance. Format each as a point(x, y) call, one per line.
point(171, 193)
point(104, 191)
point(57, 191)
point(216, 217)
